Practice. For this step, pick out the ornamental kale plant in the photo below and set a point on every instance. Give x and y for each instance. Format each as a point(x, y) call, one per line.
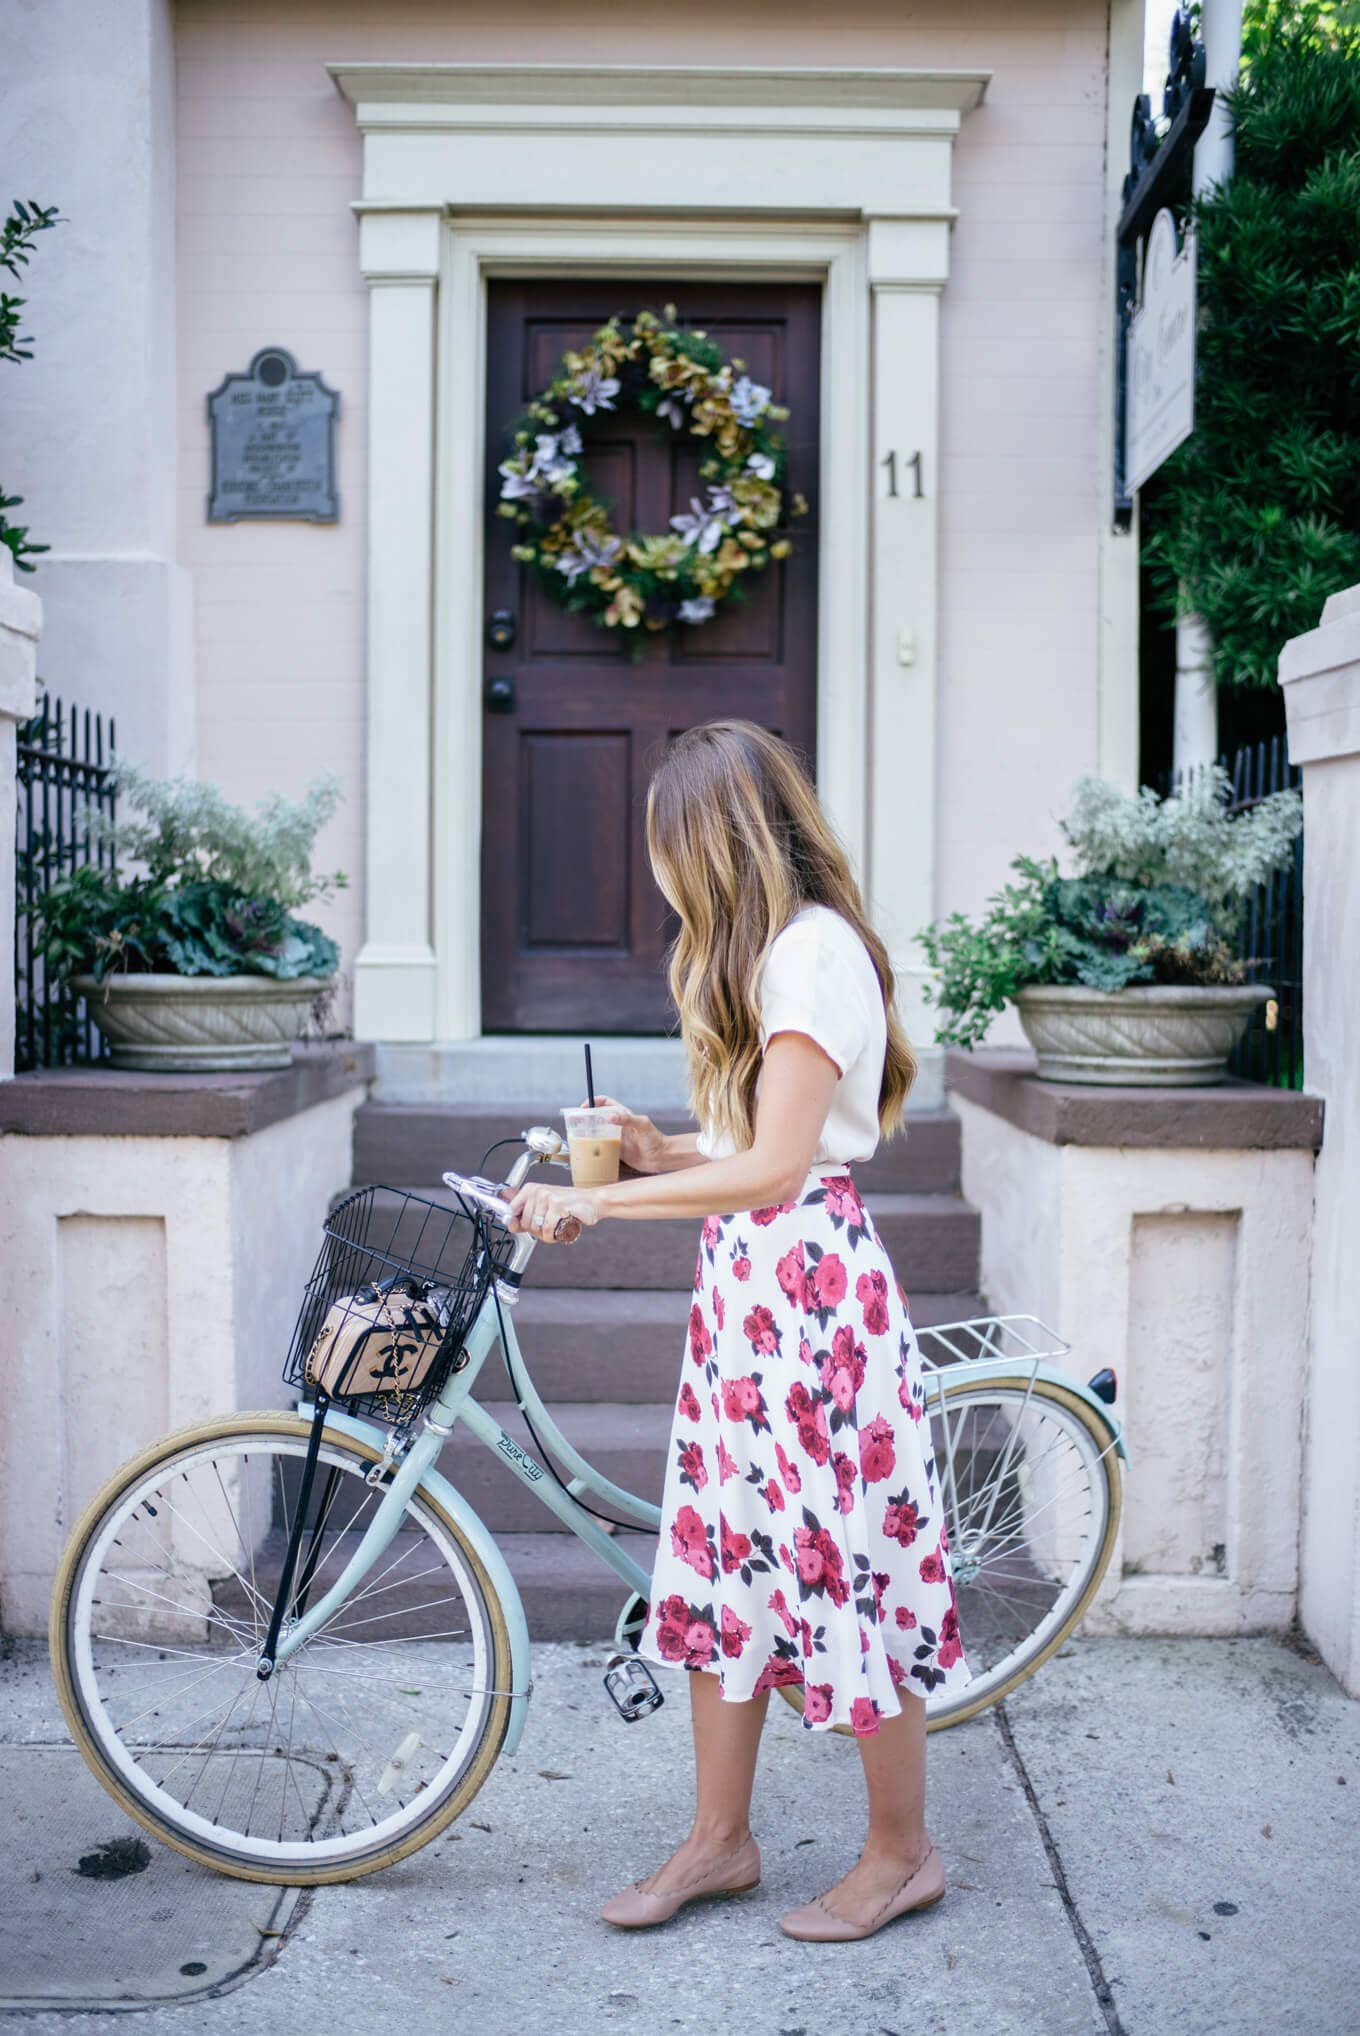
point(212, 892)
point(1156, 898)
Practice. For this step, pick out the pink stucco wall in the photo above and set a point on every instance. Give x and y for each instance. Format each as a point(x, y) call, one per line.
point(268, 161)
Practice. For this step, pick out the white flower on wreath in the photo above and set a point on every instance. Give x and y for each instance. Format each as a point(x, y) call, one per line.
point(526, 476)
point(699, 526)
point(749, 400)
point(698, 608)
point(517, 484)
point(722, 502)
point(761, 465)
point(586, 554)
point(550, 463)
point(674, 408)
point(594, 391)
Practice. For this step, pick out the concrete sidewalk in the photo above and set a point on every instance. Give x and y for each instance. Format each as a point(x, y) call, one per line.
point(1157, 1838)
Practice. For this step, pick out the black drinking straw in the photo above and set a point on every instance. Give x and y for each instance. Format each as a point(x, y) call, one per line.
point(590, 1080)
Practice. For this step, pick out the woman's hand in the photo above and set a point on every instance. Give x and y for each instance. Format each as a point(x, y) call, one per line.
point(643, 1147)
point(542, 1210)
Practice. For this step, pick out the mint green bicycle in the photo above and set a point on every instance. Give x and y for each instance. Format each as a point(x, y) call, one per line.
point(289, 1648)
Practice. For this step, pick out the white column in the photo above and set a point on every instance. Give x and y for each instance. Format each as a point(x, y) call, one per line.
point(1195, 735)
point(1320, 675)
point(1117, 741)
point(908, 265)
point(394, 975)
point(87, 122)
point(20, 621)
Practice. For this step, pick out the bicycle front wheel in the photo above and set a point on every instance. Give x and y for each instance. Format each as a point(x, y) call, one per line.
point(363, 1745)
point(1031, 1493)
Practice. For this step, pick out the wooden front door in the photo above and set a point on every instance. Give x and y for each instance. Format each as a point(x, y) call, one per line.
point(573, 929)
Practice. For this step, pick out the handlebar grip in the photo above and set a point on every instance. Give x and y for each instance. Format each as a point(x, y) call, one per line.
point(567, 1229)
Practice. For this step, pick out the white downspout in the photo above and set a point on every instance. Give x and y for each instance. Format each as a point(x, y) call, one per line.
point(1195, 738)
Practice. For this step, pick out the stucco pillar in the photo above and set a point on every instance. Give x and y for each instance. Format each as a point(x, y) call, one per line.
point(1320, 674)
point(908, 263)
point(20, 621)
point(87, 122)
point(394, 976)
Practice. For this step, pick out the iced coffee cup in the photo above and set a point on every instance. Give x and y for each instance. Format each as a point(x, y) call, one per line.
point(593, 1146)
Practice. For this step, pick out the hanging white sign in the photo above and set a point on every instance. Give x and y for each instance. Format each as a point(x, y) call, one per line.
point(1161, 354)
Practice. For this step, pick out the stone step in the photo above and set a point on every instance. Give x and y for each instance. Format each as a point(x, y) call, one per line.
point(628, 1346)
point(932, 1240)
point(419, 1142)
point(626, 1443)
point(567, 1591)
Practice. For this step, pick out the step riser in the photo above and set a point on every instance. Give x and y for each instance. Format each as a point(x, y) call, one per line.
point(509, 1507)
point(938, 1251)
point(933, 1247)
point(415, 1145)
point(621, 1354)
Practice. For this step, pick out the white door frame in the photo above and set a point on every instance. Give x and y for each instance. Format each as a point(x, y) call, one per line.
point(838, 177)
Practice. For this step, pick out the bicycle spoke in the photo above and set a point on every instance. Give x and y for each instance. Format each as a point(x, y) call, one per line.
point(274, 1771)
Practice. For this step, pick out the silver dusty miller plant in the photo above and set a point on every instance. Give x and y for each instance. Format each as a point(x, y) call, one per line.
point(185, 830)
point(1191, 839)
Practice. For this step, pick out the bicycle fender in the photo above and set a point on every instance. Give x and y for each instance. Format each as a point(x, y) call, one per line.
point(480, 1540)
point(1007, 1367)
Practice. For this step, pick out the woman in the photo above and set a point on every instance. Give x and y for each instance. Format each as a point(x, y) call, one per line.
point(802, 1535)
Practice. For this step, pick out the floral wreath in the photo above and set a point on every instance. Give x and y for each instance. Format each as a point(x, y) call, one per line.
point(639, 580)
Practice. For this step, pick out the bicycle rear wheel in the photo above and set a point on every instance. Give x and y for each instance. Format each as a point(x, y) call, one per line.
point(1032, 1497)
point(363, 1745)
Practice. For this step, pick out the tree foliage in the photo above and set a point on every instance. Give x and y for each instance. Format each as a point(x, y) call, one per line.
point(1255, 520)
point(16, 245)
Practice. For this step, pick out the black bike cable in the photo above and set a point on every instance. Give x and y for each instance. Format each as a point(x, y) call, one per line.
point(496, 1148)
point(605, 1519)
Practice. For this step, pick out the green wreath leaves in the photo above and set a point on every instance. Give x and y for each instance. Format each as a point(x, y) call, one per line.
point(641, 581)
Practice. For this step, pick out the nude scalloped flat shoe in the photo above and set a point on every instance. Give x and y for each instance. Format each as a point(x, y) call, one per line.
point(637, 1909)
point(817, 1924)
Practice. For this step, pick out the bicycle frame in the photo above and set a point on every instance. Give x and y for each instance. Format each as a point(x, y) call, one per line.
point(998, 1346)
point(415, 1470)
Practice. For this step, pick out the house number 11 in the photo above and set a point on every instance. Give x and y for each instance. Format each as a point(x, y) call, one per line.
point(913, 466)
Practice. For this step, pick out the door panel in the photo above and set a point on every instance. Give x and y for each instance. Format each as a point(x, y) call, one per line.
point(574, 930)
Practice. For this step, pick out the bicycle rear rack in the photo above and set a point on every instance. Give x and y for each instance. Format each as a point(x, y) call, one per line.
point(986, 1337)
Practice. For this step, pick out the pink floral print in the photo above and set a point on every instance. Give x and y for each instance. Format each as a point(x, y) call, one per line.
point(826, 1561)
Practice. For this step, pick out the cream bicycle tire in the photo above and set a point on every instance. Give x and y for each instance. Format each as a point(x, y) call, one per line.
point(73, 1684)
point(1048, 1394)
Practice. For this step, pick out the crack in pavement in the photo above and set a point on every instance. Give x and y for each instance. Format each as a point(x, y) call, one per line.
point(1085, 1943)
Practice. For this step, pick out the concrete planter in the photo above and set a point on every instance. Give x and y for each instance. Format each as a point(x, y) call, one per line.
point(201, 1024)
point(1150, 1036)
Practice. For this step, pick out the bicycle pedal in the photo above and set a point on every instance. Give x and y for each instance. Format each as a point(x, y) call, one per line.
point(632, 1687)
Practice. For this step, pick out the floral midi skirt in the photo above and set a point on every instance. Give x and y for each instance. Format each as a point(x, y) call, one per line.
point(802, 1537)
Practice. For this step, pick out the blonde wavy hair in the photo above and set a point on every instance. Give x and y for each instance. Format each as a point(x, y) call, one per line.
point(738, 845)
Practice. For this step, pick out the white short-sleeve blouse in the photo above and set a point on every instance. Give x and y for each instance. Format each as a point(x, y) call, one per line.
point(818, 979)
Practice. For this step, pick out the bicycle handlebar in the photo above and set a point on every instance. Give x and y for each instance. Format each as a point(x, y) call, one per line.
point(542, 1147)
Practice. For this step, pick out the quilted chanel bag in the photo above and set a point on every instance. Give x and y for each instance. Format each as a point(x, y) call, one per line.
point(381, 1339)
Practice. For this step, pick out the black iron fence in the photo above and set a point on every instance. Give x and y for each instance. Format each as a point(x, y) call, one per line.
point(64, 763)
point(1270, 938)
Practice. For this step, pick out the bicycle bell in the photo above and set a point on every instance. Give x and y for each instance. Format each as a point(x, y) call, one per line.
point(632, 1687)
point(546, 1142)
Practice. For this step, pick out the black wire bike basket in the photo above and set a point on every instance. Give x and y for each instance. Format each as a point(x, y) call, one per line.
point(396, 1286)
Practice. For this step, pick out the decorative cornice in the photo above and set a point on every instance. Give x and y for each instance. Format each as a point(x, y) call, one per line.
point(471, 91)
